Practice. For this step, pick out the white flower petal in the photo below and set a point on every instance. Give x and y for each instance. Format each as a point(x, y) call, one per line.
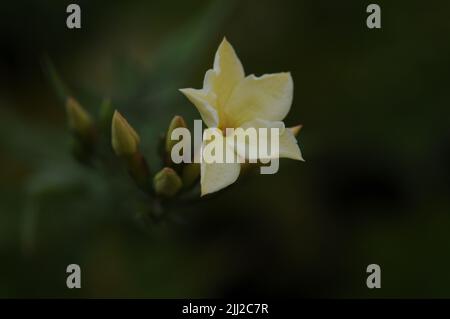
point(260, 123)
point(289, 147)
point(203, 103)
point(216, 176)
point(268, 97)
point(218, 84)
point(249, 148)
point(226, 74)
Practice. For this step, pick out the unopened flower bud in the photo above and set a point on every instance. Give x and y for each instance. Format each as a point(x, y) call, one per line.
point(296, 129)
point(125, 140)
point(80, 122)
point(167, 183)
point(176, 122)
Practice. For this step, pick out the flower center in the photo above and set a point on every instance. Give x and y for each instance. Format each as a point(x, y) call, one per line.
point(225, 124)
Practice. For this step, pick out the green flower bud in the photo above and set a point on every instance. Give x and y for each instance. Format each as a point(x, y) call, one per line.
point(176, 122)
point(190, 174)
point(125, 140)
point(80, 122)
point(167, 183)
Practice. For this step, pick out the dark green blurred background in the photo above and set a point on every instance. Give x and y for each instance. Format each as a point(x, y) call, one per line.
point(374, 188)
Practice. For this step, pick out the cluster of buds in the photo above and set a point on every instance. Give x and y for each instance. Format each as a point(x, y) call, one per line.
point(229, 100)
point(188, 172)
point(172, 183)
point(171, 180)
point(167, 182)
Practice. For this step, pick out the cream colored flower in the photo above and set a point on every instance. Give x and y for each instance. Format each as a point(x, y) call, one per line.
point(229, 99)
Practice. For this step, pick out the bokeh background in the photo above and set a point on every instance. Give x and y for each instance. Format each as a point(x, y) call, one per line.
point(374, 188)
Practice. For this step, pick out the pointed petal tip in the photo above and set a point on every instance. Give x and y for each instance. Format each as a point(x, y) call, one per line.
point(117, 116)
point(300, 155)
point(225, 41)
point(226, 46)
point(297, 157)
point(296, 129)
point(289, 76)
point(186, 91)
point(203, 192)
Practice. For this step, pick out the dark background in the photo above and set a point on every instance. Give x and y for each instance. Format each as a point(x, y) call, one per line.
point(374, 188)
